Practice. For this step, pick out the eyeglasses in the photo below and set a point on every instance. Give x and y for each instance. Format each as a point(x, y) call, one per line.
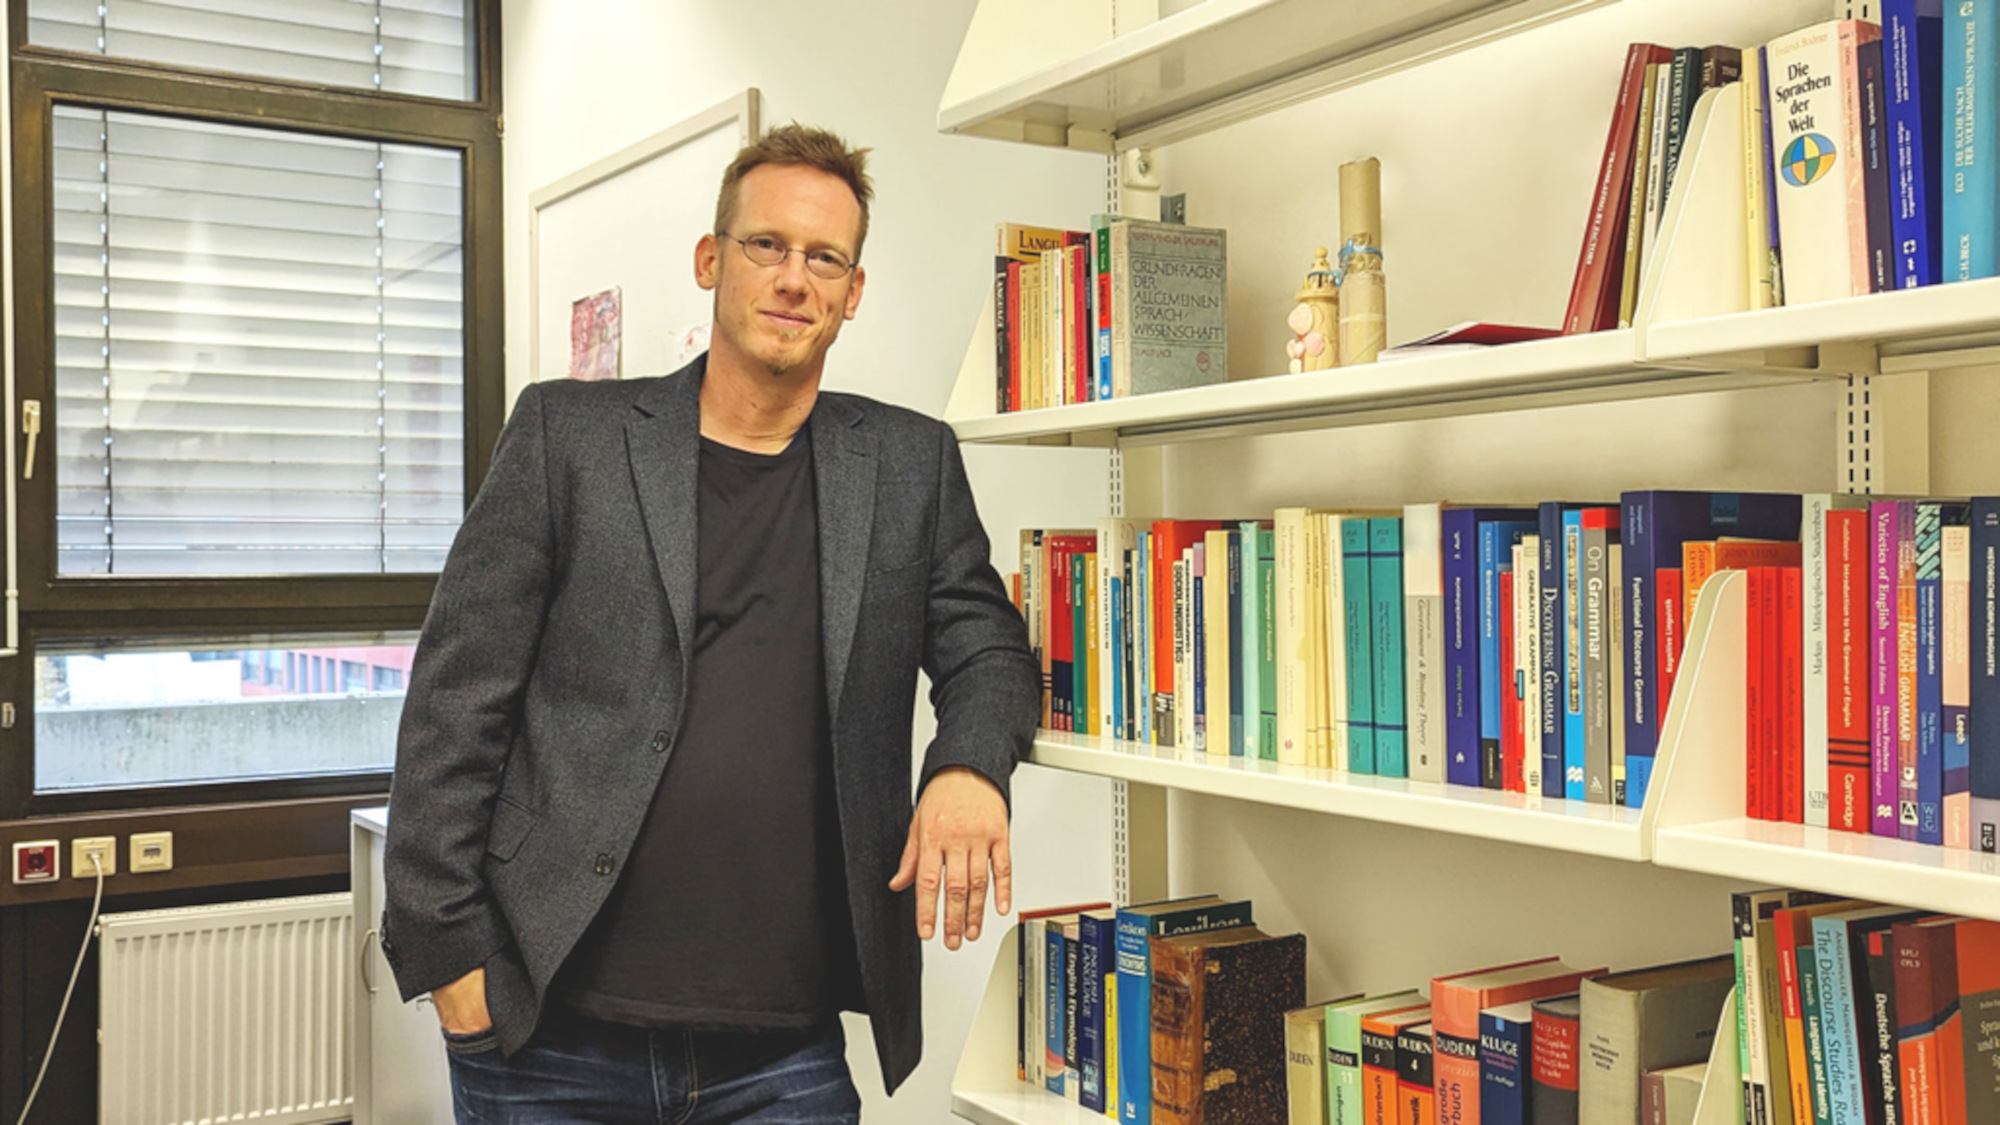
point(764, 250)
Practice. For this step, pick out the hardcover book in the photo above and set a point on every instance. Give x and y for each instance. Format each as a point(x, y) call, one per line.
point(1385, 593)
point(1136, 927)
point(1218, 1006)
point(1464, 699)
point(1380, 1104)
point(1343, 1049)
point(1416, 1101)
point(1305, 1076)
point(1497, 538)
point(1596, 289)
point(1644, 1020)
point(1840, 970)
point(1913, 47)
point(1955, 683)
point(1983, 720)
point(1978, 953)
point(1972, 56)
point(1557, 1063)
point(1424, 640)
point(1169, 290)
point(1456, 1002)
point(1816, 131)
point(1506, 1058)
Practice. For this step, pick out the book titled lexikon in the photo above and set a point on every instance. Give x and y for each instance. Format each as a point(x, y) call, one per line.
point(1168, 307)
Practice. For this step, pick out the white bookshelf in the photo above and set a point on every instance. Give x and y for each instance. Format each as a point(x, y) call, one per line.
point(1217, 62)
point(1572, 826)
point(1720, 400)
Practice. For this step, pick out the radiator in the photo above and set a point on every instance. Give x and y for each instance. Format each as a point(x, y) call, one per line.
point(237, 1012)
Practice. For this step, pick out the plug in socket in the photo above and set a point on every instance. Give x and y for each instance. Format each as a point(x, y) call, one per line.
point(81, 849)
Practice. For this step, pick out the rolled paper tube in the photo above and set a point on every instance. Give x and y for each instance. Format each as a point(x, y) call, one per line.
point(1364, 321)
point(1361, 202)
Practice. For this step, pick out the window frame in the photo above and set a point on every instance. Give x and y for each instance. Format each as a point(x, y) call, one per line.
point(56, 608)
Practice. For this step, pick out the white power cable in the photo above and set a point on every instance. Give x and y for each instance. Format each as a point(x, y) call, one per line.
point(89, 931)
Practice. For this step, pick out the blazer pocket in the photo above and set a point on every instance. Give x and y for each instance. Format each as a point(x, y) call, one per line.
point(511, 826)
point(896, 581)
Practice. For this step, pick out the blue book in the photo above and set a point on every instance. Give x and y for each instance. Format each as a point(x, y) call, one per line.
point(1358, 611)
point(1930, 666)
point(1053, 990)
point(1118, 655)
point(1237, 740)
point(1506, 1068)
point(1572, 654)
point(1385, 592)
point(1096, 948)
point(1496, 543)
point(1137, 926)
point(1983, 721)
point(1653, 526)
point(1549, 620)
point(1968, 97)
point(1459, 528)
point(1913, 45)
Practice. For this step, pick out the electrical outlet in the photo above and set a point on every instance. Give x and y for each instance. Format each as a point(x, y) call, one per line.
point(81, 849)
point(38, 861)
point(152, 851)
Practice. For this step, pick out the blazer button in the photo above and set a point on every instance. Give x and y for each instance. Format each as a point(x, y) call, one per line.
point(604, 864)
point(661, 741)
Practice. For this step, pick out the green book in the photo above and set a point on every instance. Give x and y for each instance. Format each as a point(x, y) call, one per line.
point(1343, 1050)
point(1267, 643)
point(1354, 571)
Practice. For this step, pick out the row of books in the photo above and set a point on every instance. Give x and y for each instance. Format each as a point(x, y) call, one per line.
point(1127, 307)
point(1187, 994)
point(1854, 1013)
point(1870, 158)
point(1532, 1042)
point(1536, 649)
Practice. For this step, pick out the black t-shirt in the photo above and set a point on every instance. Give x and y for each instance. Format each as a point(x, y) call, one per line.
point(732, 909)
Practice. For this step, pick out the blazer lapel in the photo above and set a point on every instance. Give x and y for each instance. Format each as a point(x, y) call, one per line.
point(844, 459)
point(663, 442)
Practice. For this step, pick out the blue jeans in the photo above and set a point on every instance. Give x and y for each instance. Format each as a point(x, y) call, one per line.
point(577, 1070)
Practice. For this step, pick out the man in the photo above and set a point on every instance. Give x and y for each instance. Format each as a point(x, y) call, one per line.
point(651, 827)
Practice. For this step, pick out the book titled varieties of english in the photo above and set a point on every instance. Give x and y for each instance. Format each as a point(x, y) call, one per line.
point(1168, 307)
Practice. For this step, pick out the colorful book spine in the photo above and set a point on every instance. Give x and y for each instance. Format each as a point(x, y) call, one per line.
point(1930, 673)
point(1978, 954)
point(1882, 715)
point(1791, 696)
point(1955, 682)
point(1983, 722)
point(1600, 529)
point(1416, 1098)
point(1100, 244)
point(1247, 647)
point(1096, 937)
point(1906, 669)
point(1385, 592)
point(1358, 620)
point(1972, 179)
point(1506, 1054)
point(1267, 645)
point(1135, 1003)
point(1459, 542)
point(1848, 709)
point(1198, 643)
point(1550, 622)
point(1574, 785)
point(1814, 549)
point(1496, 542)
point(1054, 987)
point(1838, 1021)
point(1926, 999)
point(1239, 744)
point(1424, 640)
point(1913, 41)
point(1815, 1024)
point(1875, 165)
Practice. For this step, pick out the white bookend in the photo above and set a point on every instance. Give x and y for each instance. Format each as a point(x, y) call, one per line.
point(1423, 629)
point(1721, 1090)
point(972, 395)
point(1697, 266)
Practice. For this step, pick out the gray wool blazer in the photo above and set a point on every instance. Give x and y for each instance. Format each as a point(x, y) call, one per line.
point(547, 690)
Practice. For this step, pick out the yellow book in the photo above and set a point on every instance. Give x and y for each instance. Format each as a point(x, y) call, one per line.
point(1635, 202)
point(1756, 165)
point(1319, 736)
point(1294, 663)
point(1086, 717)
point(1031, 335)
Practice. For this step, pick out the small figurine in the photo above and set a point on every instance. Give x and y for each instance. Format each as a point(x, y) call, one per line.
point(1315, 319)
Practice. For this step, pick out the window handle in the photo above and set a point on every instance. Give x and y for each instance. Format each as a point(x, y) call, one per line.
point(31, 424)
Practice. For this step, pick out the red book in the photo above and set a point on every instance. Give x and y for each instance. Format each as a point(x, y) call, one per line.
point(1756, 656)
point(1511, 777)
point(1077, 332)
point(1593, 297)
point(1667, 584)
point(1013, 336)
point(1456, 1002)
point(1975, 1044)
point(1773, 730)
point(1170, 538)
point(1847, 669)
point(1791, 697)
point(1059, 553)
point(1926, 994)
point(1557, 1050)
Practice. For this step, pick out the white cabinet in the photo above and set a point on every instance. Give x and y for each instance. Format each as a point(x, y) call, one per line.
point(400, 1073)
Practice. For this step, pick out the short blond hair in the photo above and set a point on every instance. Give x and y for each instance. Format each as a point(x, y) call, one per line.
point(802, 145)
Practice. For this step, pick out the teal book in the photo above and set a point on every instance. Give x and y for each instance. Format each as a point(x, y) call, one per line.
point(1343, 1050)
point(1972, 167)
point(1356, 607)
point(1385, 598)
point(1267, 644)
point(1816, 1076)
point(1246, 733)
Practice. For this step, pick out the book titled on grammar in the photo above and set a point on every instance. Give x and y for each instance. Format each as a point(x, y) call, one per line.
point(1168, 307)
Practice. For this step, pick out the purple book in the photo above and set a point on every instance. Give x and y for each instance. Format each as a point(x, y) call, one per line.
point(1883, 785)
point(1905, 671)
point(1459, 528)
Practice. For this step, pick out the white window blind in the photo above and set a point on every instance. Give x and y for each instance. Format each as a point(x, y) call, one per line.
point(259, 350)
point(420, 47)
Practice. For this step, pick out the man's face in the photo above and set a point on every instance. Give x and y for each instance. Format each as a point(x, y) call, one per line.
point(782, 317)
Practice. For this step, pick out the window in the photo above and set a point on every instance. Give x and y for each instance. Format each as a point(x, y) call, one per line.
point(257, 264)
point(420, 47)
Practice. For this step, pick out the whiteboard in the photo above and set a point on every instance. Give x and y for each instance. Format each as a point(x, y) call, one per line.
point(630, 221)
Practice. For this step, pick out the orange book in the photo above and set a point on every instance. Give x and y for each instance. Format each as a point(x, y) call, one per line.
point(1701, 559)
point(1170, 538)
point(1456, 1002)
point(1380, 1104)
point(1972, 1090)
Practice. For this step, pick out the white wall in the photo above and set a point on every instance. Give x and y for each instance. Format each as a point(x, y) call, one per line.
point(584, 79)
